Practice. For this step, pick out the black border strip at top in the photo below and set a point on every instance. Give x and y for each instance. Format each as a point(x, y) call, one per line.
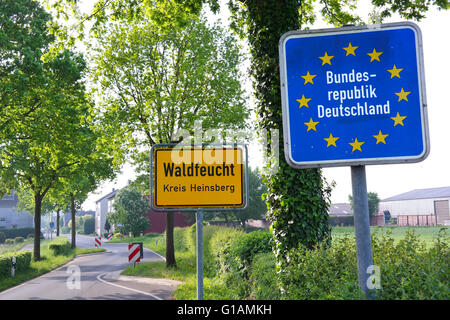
point(216, 207)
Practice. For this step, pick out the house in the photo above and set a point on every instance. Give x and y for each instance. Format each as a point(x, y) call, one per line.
point(419, 207)
point(10, 217)
point(103, 206)
point(340, 210)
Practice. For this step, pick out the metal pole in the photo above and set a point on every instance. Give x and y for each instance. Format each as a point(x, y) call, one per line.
point(362, 226)
point(199, 227)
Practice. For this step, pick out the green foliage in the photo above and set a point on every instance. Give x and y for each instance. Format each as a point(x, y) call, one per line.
point(2, 237)
point(263, 278)
point(221, 246)
point(325, 272)
point(408, 269)
point(23, 259)
point(297, 200)
point(374, 202)
point(412, 270)
point(59, 246)
point(19, 240)
point(130, 210)
point(18, 232)
point(89, 224)
point(407, 9)
point(48, 135)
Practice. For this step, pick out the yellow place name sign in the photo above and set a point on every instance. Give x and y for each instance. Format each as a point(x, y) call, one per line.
point(195, 177)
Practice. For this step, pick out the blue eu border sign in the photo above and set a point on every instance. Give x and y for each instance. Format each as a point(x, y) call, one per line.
point(354, 96)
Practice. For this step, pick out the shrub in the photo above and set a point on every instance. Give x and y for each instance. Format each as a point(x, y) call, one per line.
point(23, 260)
point(408, 269)
point(325, 272)
point(263, 278)
point(246, 247)
point(411, 270)
point(59, 246)
point(30, 236)
point(20, 232)
point(234, 256)
point(9, 241)
point(220, 246)
point(2, 237)
point(89, 224)
point(19, 240)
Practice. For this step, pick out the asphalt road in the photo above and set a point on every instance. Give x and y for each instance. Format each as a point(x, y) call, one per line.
point(94, 277)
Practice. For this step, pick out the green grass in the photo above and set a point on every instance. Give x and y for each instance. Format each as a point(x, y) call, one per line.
point(427, 234)
point(47, 263)
point(4, 248)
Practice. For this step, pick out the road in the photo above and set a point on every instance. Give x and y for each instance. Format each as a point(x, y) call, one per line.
point(94, 277)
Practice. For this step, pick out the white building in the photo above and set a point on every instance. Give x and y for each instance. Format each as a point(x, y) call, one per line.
point(9, 217)
point(102, 207)
point(420, 207)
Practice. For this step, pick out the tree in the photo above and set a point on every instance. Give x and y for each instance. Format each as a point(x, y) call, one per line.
point(89, 224)
point(23, 39)
point(53, 138)
point(256, 207)
point(373, 200)
point(297, 199)
point(154, 82)
point(130, 210)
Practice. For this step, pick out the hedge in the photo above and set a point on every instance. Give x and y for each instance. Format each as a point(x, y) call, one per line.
point(23, 260)
point(19, 232)
point(59, 246)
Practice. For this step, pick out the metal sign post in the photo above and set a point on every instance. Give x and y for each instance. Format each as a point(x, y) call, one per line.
point(199, 227)
point(196, 178)
point(362, 226)
point(13, 267)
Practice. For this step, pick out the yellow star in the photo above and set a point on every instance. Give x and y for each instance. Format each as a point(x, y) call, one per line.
point(356, 144)
point(331, 140)
point(395, 72)
point(374, 55)
point(350, 49)
point(380, 137)
point(309, 77)
point(311, 124)
point(303, 101)
point(402, 95)
point(398, 119)
point(326, 58)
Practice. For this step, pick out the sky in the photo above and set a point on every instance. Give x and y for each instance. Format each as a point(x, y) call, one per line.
point(385, 180)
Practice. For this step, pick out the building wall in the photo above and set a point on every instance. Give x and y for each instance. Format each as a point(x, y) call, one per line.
point(410, 207)
point(9, 217)
point(158, 221)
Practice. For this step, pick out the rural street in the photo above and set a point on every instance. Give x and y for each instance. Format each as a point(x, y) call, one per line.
point(94, 277)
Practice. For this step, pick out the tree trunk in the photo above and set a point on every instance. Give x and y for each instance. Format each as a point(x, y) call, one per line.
point(72, 211)
point(170, 248)
point(37, 227)
point(57, 222)
point(305, 220)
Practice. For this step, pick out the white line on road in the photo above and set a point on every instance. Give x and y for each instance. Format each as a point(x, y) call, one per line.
point(99, 277)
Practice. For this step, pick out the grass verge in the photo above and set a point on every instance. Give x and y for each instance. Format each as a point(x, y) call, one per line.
point(48, 262)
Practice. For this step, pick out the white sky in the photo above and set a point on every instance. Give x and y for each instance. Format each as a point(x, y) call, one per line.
point(386, 180)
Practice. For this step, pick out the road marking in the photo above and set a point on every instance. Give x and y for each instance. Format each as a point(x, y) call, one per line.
point(99, 277)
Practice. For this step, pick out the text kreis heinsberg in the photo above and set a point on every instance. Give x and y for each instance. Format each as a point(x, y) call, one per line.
point(199, 170)
point(360, 90)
